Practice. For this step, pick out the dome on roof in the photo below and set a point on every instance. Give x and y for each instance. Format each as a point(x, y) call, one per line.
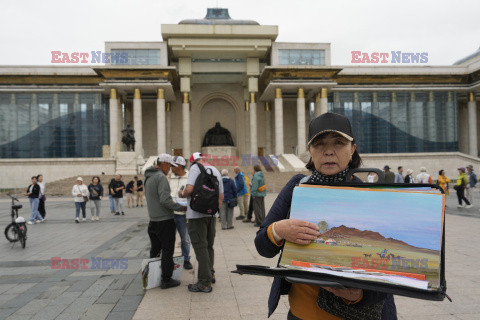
point(473, 55)
point(218, 16)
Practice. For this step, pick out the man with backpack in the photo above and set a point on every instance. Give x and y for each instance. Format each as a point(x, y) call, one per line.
point(204, 193)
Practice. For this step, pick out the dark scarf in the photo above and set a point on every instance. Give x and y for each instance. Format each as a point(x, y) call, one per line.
point(320, 178)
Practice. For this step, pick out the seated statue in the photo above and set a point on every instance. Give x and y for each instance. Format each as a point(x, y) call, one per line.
point(128, 138)
point(217, 136)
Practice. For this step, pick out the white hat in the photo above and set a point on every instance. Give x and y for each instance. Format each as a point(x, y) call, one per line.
point(180, 160)
point(79, 179)
point(195, 156)
point(224, 172)
point(165, 157)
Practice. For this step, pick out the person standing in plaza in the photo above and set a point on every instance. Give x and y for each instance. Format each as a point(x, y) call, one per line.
point(462, 182)
point(229, 199)
point(472, 181)
point(129, 190)
point(409, 177)
point(80, 196)
point(443, 181)
point(160, 206)
point(389, 175)
point(178, 182)
point(110, 196)
point(423, 176)
point(249, 209)
point(33, 194)
point(117, 188)
point(242, 192)
point(96, 194)
point(399, 175)
point(42, 198)
point(139, 191)
point(258, 195)
point(201, 227)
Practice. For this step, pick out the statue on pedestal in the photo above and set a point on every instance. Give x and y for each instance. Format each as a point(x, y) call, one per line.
point(217, 136)
point(128, 138)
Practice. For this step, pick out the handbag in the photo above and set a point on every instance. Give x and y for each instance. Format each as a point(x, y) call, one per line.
point(233, 203)
point(262, 188)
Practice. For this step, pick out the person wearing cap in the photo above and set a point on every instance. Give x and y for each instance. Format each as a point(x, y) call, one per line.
point(242, 192)
point(230, 194)
point(178, 181)
point(462, 182)
point(472, 181)
point(160, 206)
point(333, 153)
point(389, 175)
point(80, 193)
point(409, 177)
point(424, 177)
point(201, 227)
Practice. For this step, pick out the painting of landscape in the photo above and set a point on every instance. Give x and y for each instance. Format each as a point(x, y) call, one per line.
point(381, 235)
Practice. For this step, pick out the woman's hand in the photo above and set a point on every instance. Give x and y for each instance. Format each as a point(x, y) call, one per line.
point(351, 294)
point(297, 231)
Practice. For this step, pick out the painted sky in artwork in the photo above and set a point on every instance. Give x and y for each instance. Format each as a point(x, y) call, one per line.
point(414, 218)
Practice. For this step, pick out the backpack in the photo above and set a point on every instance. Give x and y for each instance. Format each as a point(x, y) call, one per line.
point(205, 195)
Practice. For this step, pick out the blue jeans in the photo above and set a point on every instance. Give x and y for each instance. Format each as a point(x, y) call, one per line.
point(35, 213)
point(181, 223)
point(78, 206)
point(112, 203)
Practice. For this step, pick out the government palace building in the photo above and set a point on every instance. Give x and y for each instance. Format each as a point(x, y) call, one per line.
point(229, 78)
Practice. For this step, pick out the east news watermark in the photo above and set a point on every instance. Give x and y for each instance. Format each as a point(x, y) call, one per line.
point(393, 57)
point(95, 263)
point(89, 57)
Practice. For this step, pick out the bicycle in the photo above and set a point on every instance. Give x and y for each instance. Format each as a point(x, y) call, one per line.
point(17, 229)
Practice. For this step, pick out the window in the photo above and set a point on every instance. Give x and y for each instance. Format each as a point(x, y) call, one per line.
point(301, 57)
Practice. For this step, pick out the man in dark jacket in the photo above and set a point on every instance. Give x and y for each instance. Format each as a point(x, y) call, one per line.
point(389, 175)
point(160, 205)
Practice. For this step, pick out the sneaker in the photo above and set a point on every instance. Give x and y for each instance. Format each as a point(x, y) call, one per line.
point(231, 227)
point(76, 220)
point(97, 218)
point(213, 278)
point(93, 218)
point(117, 213)
point(30, 222)
point(142, 205)
point(459, 206)
point(246, 221)
point(123, 213)
point(257, 225)
point(469, 206)
point(84, 219)
point(137, 205)
point(240, 218)
point(187, 265)
point(197, 287)
point(170, 283)
point(112, 212)
point(40, 221)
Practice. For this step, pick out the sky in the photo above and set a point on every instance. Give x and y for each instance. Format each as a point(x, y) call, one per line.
point(412, 218)
point(447, 31)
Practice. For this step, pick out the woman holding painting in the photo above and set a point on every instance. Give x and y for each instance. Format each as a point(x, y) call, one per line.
point(332, 154)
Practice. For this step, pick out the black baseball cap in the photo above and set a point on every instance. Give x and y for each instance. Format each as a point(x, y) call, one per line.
point(330, 122)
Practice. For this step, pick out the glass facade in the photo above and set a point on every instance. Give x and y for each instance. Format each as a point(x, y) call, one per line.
point(301, 57)
point(136, 56)
point(53, 125)
point(391, 122)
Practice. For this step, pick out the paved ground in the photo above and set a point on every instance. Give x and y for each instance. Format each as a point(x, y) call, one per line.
point(31, 289)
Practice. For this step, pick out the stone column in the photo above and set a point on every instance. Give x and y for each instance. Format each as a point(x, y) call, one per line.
point(168, 121)
point(278, 122)
point(77, 111)
point(412, 124)
point(247, 127)
point(374, 123)
point(431, 121)
point(186, 126)
point(120, 124)
point(472, 125)
point(253, 126)
point(55, 107)
point(34, 116)
point(301, 136)
point(268, 129)
point(450, 109)
point(113, 122)
point(137, 121)
point(161, 125)
point(13, 127)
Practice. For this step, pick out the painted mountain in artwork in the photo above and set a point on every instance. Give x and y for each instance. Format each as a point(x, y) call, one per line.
point(346, 232)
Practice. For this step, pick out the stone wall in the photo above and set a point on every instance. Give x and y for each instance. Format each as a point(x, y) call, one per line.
point(16, 173)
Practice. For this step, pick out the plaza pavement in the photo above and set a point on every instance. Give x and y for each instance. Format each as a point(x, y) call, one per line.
point(31, 289)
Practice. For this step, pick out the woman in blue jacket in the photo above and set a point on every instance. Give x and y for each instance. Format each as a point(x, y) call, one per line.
point(230, 196)
point(332, 154)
